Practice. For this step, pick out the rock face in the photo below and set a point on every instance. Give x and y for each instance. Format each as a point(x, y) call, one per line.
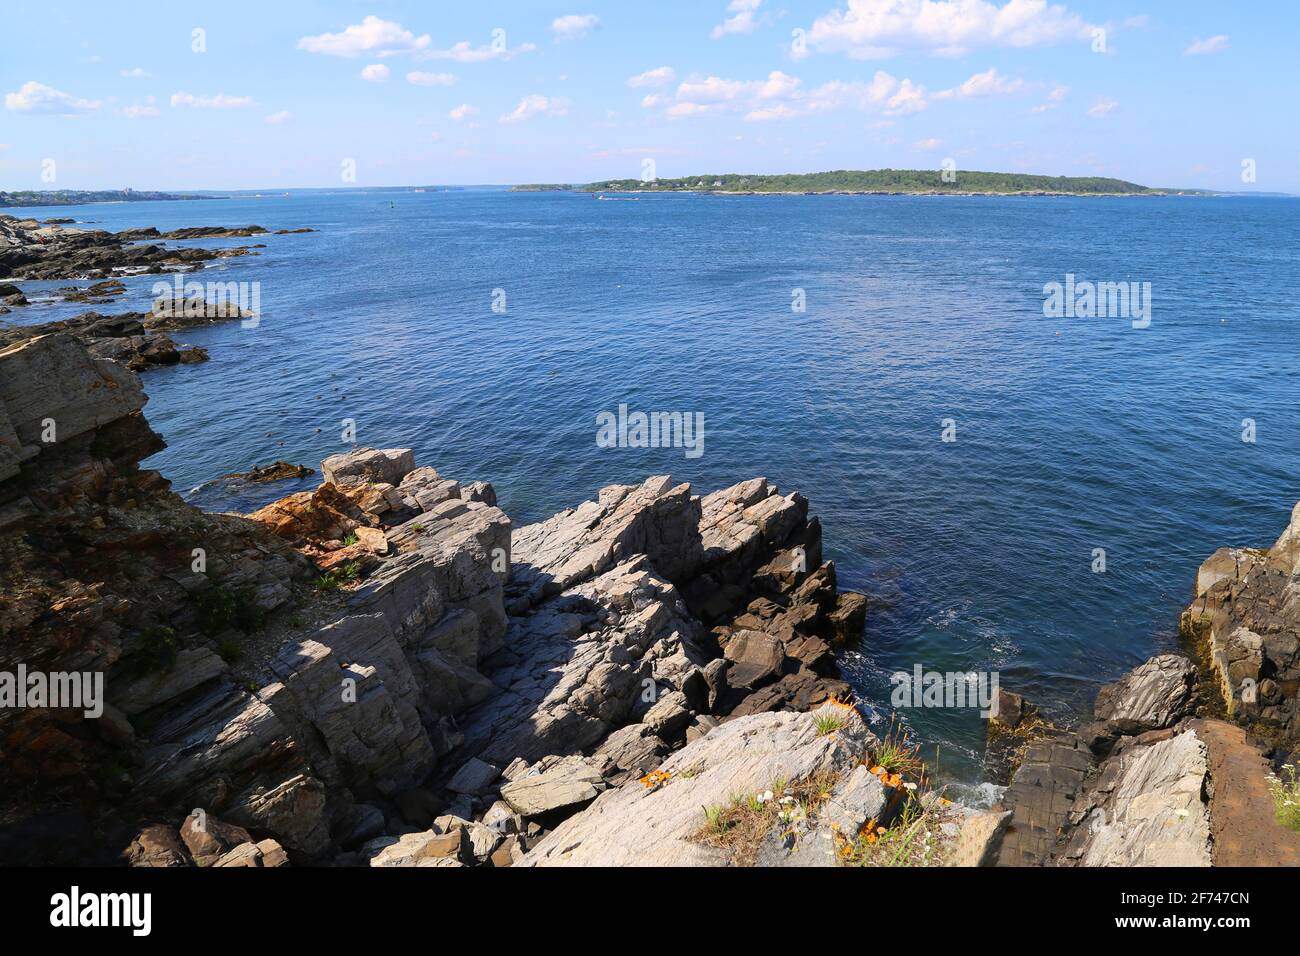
point(1151, 696)
point(138, 340)
point(636, 825)
point(1155, 810)
point(1247, 611)
point(376, 651)
point(1128, 789)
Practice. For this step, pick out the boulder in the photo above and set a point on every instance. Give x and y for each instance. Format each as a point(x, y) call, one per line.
point(756, 658)
point(208, 839)
point(474, 776)
point(363, 465)
point(157, 845)
point(548, 797)
point(1151, 696)
point(412, 848)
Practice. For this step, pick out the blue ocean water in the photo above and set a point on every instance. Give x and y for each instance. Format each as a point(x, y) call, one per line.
point(1072, 434)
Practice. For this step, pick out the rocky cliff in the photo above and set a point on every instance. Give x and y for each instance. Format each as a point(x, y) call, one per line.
point(1158, 777)
point(347, 666)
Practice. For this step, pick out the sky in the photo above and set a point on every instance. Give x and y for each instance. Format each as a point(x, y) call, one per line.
point(177, 95)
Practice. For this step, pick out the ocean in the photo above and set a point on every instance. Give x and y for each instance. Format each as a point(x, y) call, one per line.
point(1076, 437)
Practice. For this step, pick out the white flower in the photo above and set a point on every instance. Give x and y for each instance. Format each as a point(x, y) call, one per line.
point(910, 786)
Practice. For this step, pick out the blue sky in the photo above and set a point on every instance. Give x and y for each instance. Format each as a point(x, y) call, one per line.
point(283, 93)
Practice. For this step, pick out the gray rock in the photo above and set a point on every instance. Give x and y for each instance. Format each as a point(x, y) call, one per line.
point(552, 793)
point(1158, 814)
point(855, 801)
point(366, 465)
point(633, 825)
point(979, 839)
point(412, 848)
point(756, 658)
point(1152, 696)
point(474, 776)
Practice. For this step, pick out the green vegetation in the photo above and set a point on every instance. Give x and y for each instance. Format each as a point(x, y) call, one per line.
point(876, 181)
point(220, 610)
point(336, 577)
point(829, 721)
point(741, 827)
point(77, 197)
point(541, 188)
point(157, 649)
point(1286, 797)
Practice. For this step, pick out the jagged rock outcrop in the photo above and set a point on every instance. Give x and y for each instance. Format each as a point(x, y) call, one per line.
point(29, 250)
point(639, 825)
point(1149, 807)
point(1247, 613)
point(316, 673)
point(1076, 797)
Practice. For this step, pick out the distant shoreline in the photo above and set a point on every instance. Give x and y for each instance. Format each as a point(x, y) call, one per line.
point(947, 181)
point(865, 192)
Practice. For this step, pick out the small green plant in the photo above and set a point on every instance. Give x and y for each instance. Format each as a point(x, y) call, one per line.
point(229, 650)
point(896, 755)
point(349, 539)
point(715, 820)
point(219, 610)
point(157, 649)
point(1286, 796)
point(829, 721)
point(336, 577)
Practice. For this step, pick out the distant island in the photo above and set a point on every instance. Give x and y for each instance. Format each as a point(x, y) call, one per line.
point(876, 181)
point(80, 197)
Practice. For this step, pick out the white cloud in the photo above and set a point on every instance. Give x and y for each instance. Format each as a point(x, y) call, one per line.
point(537, 105)
point(219, 102)
point(910, 98)
point(927, 145)
point(689, 109)
point(1054, 99)
point(660, 76)
point(376, 73)
point(651, 100)
point(873, 28)
point(140, 110)
point(765, 114)
point(781, 96)
point(1103, 107)
point(136, 73)
point(741, 19)
point(1212, 44)
point(275, 119)
point(33, 97)
point(372, 35)
point(464, 111)
point(574, 25)
point(465, 52)
point(988, 83)
point(416, 78)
